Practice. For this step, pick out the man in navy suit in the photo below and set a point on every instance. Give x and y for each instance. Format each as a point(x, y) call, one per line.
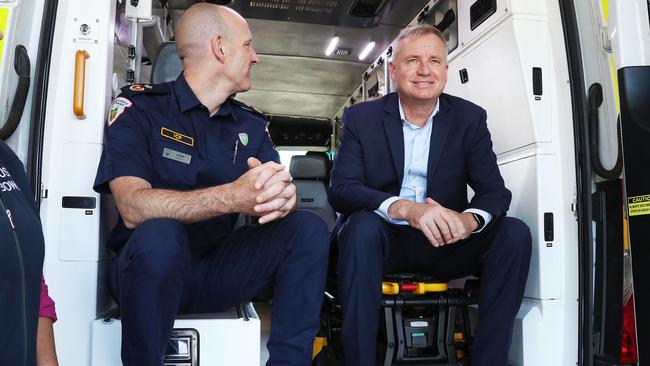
point(400, 180)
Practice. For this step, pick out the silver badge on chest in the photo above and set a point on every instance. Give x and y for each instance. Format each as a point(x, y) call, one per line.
point(176, 156)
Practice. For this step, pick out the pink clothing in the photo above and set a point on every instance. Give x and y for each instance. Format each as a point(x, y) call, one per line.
point(47, 304)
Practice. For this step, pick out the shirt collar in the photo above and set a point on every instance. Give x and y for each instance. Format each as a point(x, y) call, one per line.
point(225, 109)
point(184, 94)
point(188, 100)
point(436, 108)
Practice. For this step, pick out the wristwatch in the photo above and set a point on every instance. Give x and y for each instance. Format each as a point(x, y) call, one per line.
point(480, 221)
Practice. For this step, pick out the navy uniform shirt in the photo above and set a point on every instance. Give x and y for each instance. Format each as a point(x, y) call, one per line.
point(164, 135)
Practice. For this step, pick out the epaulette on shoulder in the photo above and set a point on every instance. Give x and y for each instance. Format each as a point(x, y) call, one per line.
point(130, 91)
point(249, 109)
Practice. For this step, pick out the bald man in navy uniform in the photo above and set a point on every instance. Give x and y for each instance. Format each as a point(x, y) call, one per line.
point(182, 159)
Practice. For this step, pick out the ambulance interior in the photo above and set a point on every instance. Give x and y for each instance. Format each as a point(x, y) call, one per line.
point(515, 58)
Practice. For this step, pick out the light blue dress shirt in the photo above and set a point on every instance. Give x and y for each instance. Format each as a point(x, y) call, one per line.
point(416, 158)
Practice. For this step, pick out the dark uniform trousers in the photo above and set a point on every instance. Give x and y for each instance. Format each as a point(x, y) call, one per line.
point(370, 247)
point(156, 275)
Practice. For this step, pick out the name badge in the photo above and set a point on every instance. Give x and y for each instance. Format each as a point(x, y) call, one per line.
point(176, 156)
point(177, 136)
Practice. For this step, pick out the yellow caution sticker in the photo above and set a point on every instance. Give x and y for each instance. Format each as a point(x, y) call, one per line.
point(639, 205)
point(4, 18)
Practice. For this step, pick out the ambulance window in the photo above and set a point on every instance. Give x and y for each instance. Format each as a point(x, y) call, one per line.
point(444, 16)
point(375, 81)
point(374, 84)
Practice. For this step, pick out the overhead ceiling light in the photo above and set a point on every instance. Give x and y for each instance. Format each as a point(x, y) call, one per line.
point(332, 46)
point(367, 50)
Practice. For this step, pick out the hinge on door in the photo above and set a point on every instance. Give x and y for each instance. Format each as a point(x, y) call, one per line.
point(43, 192)
point(606, 40)
point(574, 208)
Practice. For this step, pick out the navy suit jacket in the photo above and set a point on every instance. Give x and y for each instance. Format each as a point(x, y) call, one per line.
point(369, 165)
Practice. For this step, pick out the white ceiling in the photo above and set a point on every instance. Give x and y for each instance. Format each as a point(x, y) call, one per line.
point(294, 77)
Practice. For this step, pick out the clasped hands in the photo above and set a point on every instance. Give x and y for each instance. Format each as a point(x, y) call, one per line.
point(439, 224)
point(265, 191)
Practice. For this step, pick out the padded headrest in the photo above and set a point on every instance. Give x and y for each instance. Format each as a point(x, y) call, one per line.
point(167, 65)
point(307, 167)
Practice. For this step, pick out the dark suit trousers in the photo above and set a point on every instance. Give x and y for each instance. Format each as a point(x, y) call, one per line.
point(370, 247)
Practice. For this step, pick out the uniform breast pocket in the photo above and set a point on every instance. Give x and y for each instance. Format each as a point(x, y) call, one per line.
point(176, 165)
point(237, 159)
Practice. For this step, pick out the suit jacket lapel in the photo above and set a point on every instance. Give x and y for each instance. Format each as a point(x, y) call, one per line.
point(394, 134)
point(440, 129)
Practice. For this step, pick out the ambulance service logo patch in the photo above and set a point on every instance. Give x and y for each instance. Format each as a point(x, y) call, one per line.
point(243, 137)
point(118, 107)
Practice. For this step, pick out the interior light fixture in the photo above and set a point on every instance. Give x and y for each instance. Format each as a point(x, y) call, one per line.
point(332, 46)
point(367, 50)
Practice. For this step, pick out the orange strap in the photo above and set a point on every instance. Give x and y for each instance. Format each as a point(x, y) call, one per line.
point(79, 83)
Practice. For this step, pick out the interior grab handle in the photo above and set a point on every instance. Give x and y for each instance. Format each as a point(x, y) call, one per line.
point(595, 100)
point(446, 21)
point(79, 83)
point(22, 67)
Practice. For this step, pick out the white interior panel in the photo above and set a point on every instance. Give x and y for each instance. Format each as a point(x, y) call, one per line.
point(79, 228)
point(224, 339)
point(497, 84)
point(535, 33)
point(532, 196)
point(527, 8)
point(465, 34)
point(540, 337)
point(454, 86)
point(74, 288)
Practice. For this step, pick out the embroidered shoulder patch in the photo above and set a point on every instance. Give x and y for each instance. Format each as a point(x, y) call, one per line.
point(140, 87)
point(120, 104)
